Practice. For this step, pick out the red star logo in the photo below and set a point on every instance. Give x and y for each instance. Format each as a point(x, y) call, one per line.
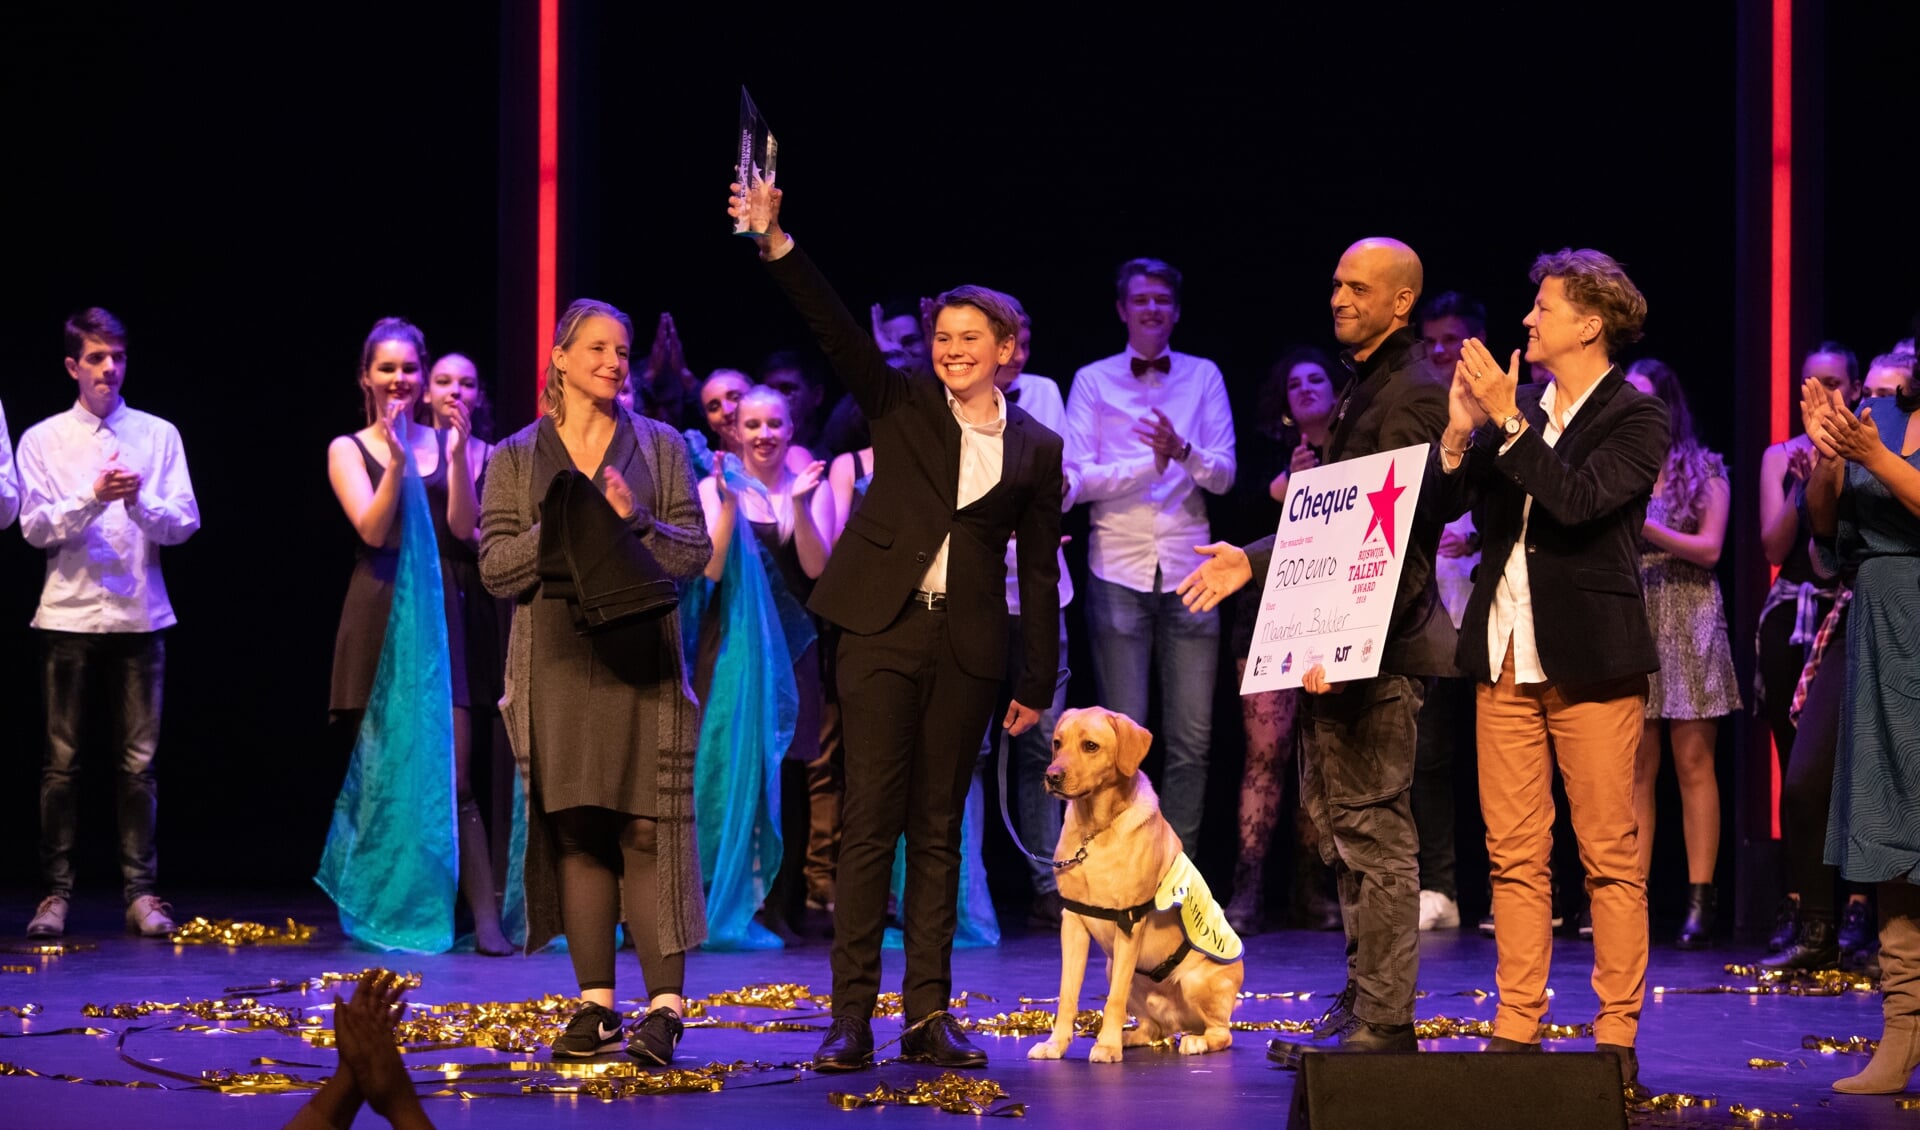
point(1383, 502)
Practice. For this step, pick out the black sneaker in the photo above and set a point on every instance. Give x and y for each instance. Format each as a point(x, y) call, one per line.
point(655, 1037)
point(593, 1031)
point(1339, 1014)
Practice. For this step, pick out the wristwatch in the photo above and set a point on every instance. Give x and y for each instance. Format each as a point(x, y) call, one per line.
point(1511, 425)
point(1186, 449)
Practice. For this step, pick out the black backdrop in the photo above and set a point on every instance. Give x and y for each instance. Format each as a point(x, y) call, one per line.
point(249, 192)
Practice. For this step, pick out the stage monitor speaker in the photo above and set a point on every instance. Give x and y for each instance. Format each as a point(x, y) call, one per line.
point(1440, 1090)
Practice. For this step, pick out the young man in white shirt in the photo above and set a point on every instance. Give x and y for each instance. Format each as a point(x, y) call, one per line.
point(1148, 430)
point(102, 487)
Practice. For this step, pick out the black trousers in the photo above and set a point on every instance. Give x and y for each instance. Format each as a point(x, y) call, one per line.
point(1806, 794)
point(913, 722)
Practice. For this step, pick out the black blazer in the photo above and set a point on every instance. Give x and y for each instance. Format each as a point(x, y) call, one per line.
point(911, 507)
point(1590, 494)
point(1401, 401)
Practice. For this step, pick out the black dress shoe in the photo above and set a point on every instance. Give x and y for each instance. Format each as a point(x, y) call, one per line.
point(1812, 948)
point(936, 1038)
point(848, 1046)
point(1636, 1091)
point(1356, 1035)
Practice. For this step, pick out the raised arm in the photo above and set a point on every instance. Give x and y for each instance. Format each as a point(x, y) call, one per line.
point(1622, 467)
point(720, 508)
point(812, 518)
point(372, 509)
point(855, 357)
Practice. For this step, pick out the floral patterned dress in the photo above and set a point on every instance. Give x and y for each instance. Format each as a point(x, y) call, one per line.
point(1685, 610)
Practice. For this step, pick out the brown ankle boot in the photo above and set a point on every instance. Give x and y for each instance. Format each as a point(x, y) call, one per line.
point(1893, 1061)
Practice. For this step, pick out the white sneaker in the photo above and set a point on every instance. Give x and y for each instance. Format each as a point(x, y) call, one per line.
point(1438, 912)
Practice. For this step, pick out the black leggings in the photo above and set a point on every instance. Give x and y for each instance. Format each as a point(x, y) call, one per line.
point(606, 858)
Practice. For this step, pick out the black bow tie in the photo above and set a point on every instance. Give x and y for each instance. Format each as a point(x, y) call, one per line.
point(1012, 395)
point(1142, 366)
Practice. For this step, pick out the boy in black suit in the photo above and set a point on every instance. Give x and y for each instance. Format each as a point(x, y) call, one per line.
point(958, 471)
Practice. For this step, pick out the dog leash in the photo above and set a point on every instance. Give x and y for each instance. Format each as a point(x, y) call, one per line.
point(1006, 754)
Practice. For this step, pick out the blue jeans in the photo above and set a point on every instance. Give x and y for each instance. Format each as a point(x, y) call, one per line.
point(1131, 629)
point(129, 667)
point(1036, 814)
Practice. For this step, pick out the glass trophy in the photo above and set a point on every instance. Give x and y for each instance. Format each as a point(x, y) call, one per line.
point(756, 154)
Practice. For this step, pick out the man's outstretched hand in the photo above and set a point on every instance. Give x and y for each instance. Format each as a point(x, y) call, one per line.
point(1224, 572)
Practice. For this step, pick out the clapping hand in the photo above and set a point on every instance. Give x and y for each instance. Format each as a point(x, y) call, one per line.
point(1850, 437)
point(619, 494)
point(459, 421)
point(808, 478)
point(1159, 435)
point(1817, 403)
point(1225, 571)
point(116, 483)
point(363, 1034)
point(393, 429)
point(1304, 458)
point(1800, 463)
point(1491, 387)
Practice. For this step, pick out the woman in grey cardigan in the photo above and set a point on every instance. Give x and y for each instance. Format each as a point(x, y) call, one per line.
point(603, 726)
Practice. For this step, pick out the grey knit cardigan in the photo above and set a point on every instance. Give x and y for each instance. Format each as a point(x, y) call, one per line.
point(674, 530)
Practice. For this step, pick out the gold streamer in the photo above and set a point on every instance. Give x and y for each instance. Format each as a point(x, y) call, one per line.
point(21, 1010)
point(953, 1093)
point(1676, 1100)
point(1766, 1064)
point(1906, 1104)
point(1844, 1045)
point(51, 949)
point(1755, 1114)
point(227, 932)
point(19, 969)
point(255, 1014)
point(1032, 1022)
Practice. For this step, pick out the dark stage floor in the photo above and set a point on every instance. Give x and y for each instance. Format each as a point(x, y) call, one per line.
point(1690, 1042)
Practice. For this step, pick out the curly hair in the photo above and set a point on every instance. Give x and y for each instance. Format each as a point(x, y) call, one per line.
point(1689, 467)
point(1597, 285)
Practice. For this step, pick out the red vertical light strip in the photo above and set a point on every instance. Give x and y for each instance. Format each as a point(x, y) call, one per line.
point(1780, 321)
point(547, 222)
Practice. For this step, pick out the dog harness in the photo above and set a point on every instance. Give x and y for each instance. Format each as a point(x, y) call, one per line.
point(1202, 924)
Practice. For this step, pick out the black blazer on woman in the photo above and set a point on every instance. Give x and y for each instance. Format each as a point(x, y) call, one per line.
point(1590, 493)
point(911, 506)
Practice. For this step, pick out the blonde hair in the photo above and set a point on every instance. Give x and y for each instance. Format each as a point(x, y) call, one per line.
point(553, 397)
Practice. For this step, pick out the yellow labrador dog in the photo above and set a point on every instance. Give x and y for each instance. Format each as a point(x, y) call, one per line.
point(1172, 960)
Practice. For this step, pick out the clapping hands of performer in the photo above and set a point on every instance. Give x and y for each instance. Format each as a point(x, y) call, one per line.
point(1159, 435)
point(1225, 571)
point(393, 429)
point(457, 418)
point(371, 1070)
point(1836, 431)
point(116, 483)
point(668, 359)
point(759, 204)
point(1305, 458)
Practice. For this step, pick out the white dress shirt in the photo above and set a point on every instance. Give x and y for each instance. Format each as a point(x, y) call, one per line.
point(1511, 616)
point(1146, 521)
point(982, 450)
point(1040, 397)
point(9, 486)
point(103, 559)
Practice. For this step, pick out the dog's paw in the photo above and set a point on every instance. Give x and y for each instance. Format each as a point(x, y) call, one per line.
point(1193, 1045)
point(1104, 1053)
point(1047, 1049)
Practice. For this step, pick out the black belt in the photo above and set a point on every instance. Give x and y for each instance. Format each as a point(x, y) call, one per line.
point(931, 601)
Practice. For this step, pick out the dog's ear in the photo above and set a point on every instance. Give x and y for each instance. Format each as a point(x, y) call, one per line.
point(1132, 741)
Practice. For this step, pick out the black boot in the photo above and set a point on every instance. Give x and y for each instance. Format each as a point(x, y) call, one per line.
point(1857, 932)
point(1697, 931)
point(1786, 924)
point(1813, 948)
point(1244, 912)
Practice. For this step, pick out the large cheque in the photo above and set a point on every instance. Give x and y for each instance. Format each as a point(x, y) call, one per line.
point(1336, 567)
